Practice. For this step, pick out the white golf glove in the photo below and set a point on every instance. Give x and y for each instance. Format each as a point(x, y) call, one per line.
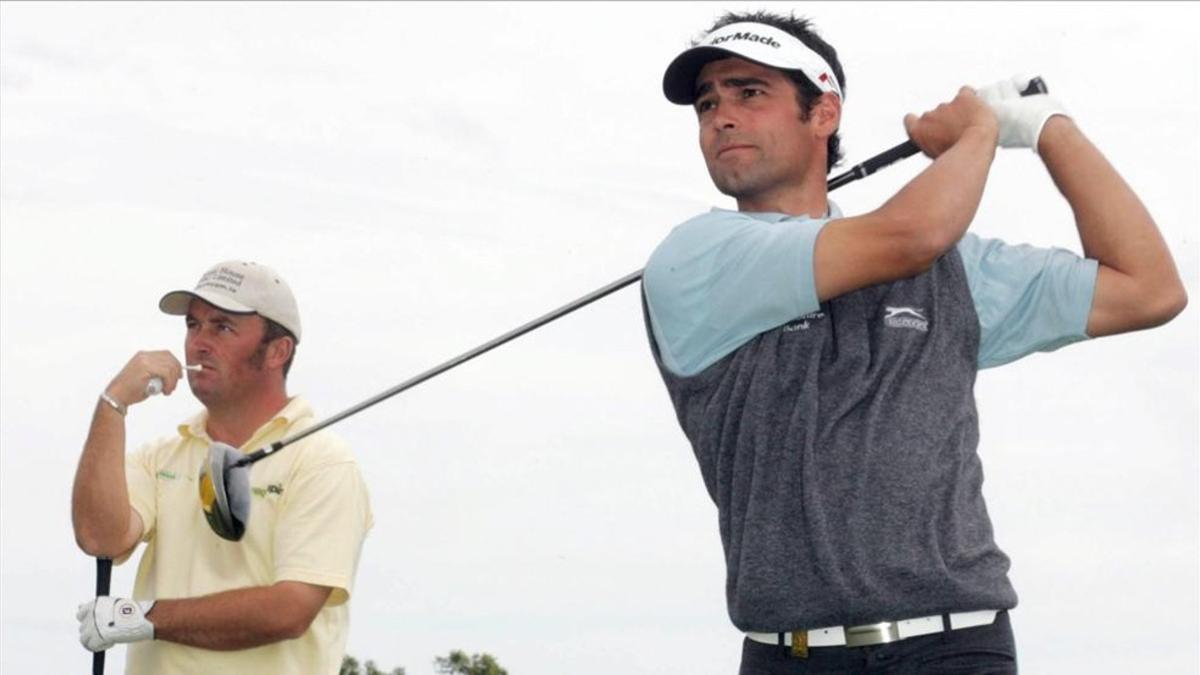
point(1021, 117)
point(106, 621)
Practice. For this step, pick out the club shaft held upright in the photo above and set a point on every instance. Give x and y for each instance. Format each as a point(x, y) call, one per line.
point(103, 583)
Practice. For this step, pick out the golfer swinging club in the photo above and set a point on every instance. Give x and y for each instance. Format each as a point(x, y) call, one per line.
point(274, 602)
point(822, 365)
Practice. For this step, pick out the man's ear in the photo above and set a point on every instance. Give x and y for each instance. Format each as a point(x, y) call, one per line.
point(279, 351)
point(827, 115)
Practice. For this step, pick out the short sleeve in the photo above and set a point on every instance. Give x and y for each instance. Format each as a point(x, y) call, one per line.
point(723, 277)
point(321, 528)
point(140, 481)
point(1028, 299)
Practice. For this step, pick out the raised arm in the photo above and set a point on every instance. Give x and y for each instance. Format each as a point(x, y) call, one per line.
point(905, 235)
point(1137, 285)
point(104, 522)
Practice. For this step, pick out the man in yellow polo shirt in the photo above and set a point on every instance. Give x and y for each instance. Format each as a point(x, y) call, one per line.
point(277, 601)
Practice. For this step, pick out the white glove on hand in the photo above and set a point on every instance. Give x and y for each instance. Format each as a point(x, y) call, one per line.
point(1021, 118)
point(105, 621)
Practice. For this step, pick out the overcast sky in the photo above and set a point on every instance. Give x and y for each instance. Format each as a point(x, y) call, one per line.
point(429, 176)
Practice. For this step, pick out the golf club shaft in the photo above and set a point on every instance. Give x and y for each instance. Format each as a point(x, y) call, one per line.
point(515, 333)
point(443, 367)
point(103, 582)
point(885, 158)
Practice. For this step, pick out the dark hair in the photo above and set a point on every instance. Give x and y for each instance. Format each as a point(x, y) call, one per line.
point(273, 331)
point(807, 93)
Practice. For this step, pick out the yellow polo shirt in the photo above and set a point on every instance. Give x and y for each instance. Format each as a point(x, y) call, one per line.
point(309, 515)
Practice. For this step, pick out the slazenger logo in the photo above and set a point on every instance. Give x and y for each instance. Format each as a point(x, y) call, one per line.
point(770, 42)
point(905, 317)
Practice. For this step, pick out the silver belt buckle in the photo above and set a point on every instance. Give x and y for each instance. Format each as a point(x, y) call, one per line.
point(872, 634)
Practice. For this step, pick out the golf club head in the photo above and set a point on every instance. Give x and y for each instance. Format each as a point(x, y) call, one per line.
point(225, 492)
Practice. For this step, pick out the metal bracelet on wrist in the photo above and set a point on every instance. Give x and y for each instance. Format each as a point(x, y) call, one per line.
point(116, 405)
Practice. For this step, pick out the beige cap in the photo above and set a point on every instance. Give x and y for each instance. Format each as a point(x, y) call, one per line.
point(241, 288)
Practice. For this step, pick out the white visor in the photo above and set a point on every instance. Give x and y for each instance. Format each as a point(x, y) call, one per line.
point(757, 42)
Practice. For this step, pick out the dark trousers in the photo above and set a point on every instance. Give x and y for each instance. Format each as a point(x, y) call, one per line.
point(982, 650)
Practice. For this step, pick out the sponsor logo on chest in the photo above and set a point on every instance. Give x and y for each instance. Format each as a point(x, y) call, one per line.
point(907, 318)
point(804, 322)
point(272, 489)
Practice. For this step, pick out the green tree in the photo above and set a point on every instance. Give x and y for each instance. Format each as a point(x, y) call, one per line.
point(350, 667)
point(458, 663)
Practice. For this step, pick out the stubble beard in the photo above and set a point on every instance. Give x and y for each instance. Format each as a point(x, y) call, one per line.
point(226, 393)
point(742, 182)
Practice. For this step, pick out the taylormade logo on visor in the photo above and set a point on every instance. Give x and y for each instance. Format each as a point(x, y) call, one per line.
point(752, 37)
point(757, 42)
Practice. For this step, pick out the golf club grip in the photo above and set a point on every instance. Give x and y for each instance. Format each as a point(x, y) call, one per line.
point(103, 582)
point(890, 156)
point(907, 149)
point(1036, 86)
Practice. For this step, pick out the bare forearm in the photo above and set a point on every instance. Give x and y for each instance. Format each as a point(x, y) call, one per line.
point(238, 619)
point(907, 235)
point(100, 500)
point(941, 201)
point(1114, 227)
point(1139, 285)
point(105, 524)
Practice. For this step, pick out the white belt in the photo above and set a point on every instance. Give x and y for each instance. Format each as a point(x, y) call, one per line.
point(879, 633)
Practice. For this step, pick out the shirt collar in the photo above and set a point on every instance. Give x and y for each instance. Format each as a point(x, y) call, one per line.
point(832, 212)
point(297, 409)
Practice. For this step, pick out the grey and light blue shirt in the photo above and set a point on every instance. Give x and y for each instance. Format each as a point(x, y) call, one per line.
point(725, 276)
point(838, 439)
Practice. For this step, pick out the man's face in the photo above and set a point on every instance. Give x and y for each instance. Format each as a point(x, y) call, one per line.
point(227, 346)
point(751, 134)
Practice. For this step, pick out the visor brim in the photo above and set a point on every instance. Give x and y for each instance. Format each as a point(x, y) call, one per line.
point(176, 303)
point(679, 80)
